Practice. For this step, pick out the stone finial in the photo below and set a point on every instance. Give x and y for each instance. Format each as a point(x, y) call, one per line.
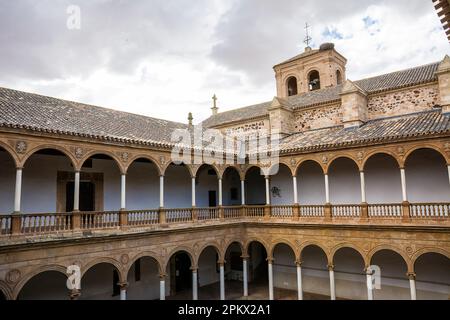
point(190, 118)
point(215, 109)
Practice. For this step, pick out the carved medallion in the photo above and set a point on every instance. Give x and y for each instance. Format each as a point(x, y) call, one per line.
point(293, 162)
point(124, 156)
point(447, 146)
point(124, 259)
point(325, 159)
point(162, 160)
point(13, 276)
point(409, 250)
point(401, 151)
point(360, 155)
point(79, 152)
point(21, 147)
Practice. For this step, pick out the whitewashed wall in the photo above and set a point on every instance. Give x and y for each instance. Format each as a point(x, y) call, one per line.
point(345, 183)
point(283, 181)
point(142, 186)
point(177, 187)
point(7, 184)
point(383, 182)
point(255, 190)
point(311, 184)
point(206, 182)
point(231, 179)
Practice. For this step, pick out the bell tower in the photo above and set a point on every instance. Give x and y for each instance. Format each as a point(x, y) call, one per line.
point(312, 70)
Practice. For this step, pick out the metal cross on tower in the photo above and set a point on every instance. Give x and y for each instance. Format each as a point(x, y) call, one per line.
point(308, 39)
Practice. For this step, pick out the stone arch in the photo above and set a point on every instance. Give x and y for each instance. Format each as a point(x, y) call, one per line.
point(424, 147)
point(214, 245)
point(394, 249)
point(313, 80)
point(285, 242)
point(196, 170)
point(339, 78)
point(230, 167)
point(228, 244)
point(178, 249)
point(188, 167)
point(341, 246)
point(35, 272)
point(247, 170)
point(427, 250)
point(6, 291)
point(48, 147)
point(280, 164)
point(116, 264)
point(105, 153)
point(10, 152)
point(262, 242)
point(303, 161)
point(379, 152)
point(146, 157)
point(145, 254)
point(342, 156)
point(307, 244)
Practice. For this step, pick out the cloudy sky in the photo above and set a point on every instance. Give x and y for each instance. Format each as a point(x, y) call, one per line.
point(164, 58)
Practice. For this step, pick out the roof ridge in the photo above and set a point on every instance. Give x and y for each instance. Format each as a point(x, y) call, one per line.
point(89, 105)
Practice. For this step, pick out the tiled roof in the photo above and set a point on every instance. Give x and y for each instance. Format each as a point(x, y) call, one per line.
point(412, 125)
point(302, 55)
point(394, 80)
point(40, 113)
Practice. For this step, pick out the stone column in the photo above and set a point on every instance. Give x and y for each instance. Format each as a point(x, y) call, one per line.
point(123, 291)
point(243, 192)
point(123, 183)
point(267, 190)
point(294, 181)
point(76, 193)
point(270, 271)
point(162, 287)
point(299, 280)
point(332, 283)
point(369, 274)
point(363, 187)
point(448, 167)
point(74, 294)
point(327, 190)
point(194, 284)
point(403, 177)
point(220, 193)
point(18, 190)
point(161, 191)
point(412, 285)
point(245, 274)
point(222, 279)
point(193, 192)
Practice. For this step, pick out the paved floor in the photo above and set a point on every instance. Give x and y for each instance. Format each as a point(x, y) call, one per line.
point(234, 290)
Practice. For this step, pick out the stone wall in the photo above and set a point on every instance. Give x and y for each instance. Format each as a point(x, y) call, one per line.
point(246, 128)
point(403, 102)
point(317, 118)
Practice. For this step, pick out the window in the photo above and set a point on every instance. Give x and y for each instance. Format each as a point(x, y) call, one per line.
point(314, 80)
point(292, 86)
point(338, 77)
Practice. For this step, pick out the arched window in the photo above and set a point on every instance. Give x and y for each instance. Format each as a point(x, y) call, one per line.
point(314, 80)
point(338, 77)
point(292, 86)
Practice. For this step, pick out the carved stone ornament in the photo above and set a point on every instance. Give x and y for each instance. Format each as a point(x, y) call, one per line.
point(401, 150)
point(293, 162)
point(325, 159)
point(162, 160)
point(13, 276)
point(21, 147)
point(360, 155)
point(79, 152)
point(447, 146)
point(124, 259)
point(125, 156)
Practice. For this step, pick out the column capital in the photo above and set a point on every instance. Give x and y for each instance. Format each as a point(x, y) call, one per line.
point(162, 276)
point(298, 263)
point(270, 260)
point(123, 285)
point(19, 168)
point(221, 262)
point(245, 257)
point(194, 269)
point(411, 275)
point(330, 267)
point(74, 294)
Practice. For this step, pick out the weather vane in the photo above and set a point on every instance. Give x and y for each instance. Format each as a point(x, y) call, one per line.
point(308, 39)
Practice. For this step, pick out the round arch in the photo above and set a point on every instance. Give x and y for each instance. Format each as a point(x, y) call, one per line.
point(305, 161)
point(292, 86)
point(333, 161)
point(195, 171)
point(228, 244)
point(57, 148)
point(393, 249)
point(187, 166)
point(50, 268)
point(10, 151)
point(144, 157)
point(428, 250)
point(249, 242)
point(116, 264)
point(6, 291)
point(308, 244)
point(424, 147)
point(372, 154)
point(150, 255)
point(204, 247)
point(102, 153)
point(342, 246)
point(181, 249)
point(286, 243)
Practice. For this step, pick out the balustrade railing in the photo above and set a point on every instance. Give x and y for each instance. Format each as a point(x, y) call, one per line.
point(282, 212)
point(31, 224)
point(430, 210)
point(312, 211)
point(100, 220)
point(178, 215)
point(254, 211)
point(143, 217)
point(204, 214)
point(346, 211)
point(385, 210)
point(232, 212)
point(5, 224)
